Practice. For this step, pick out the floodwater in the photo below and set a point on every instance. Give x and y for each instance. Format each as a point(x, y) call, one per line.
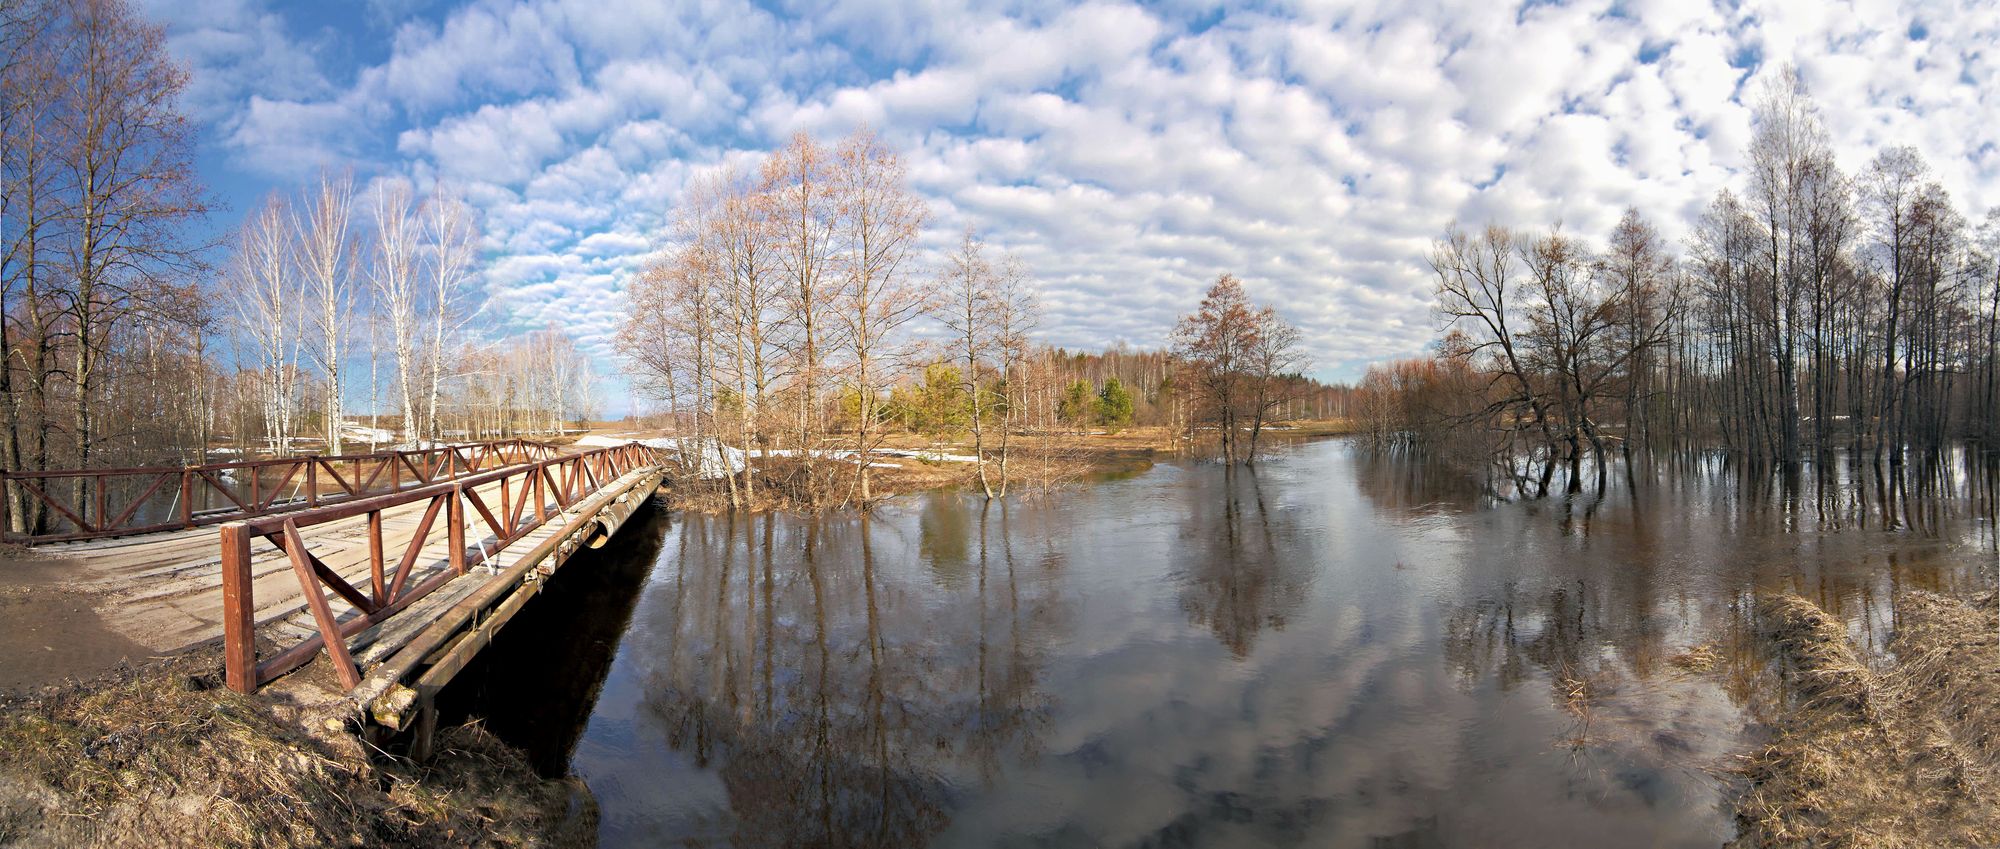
point(1333, 650)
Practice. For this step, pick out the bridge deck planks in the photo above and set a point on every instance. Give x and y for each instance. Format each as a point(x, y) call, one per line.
point(163, 591)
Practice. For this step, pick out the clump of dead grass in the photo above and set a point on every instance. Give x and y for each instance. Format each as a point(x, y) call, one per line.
point(1701, 658)
point(1948, 660)
point(163, 757)
point(1848, 764)
point(1578, 694)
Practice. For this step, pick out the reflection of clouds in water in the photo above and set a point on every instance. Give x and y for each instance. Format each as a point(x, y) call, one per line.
point(832, 695)
point(1323, 652)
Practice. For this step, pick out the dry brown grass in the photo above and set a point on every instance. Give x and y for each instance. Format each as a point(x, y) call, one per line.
point(1949, 661)
point(1702, 658)
point(778, 479)
point(162, 757)
point(1851, 763)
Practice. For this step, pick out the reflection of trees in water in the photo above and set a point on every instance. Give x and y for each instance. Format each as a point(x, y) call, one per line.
point(1929, 493)
point(1680, 553)
point(1648, 586)
point(538, 682)
point(1242, 569)
point(834, 693)
point(943, 539)
point(1401, 483)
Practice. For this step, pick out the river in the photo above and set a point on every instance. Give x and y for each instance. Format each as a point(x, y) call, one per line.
point(1337, 649)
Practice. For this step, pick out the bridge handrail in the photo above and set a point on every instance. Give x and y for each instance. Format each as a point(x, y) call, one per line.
point(98, 519)
point(559, 482)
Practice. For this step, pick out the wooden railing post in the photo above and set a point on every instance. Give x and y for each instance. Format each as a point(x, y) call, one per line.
point(187, 497)
point(312, 481)
point(376, 581)
point(455, 529)
point(539, 473)
point(239, 609)
point(6, 507)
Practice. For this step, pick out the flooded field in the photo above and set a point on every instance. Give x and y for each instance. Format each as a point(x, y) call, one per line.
point(1336, 649)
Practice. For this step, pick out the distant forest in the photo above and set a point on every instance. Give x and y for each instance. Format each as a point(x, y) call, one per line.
point(1810, 311)
point(129, 338)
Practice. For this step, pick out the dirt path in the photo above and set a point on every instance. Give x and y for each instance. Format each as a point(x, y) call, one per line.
point(50, 630)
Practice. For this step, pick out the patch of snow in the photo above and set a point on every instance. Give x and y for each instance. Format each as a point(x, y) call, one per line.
point(715, 459)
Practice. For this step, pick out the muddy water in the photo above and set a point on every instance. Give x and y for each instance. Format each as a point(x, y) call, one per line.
point(1334, 650)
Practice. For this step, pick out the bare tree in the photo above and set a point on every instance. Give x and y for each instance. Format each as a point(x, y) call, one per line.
point(1476, 280)
point(1640, 270)
point(749, 276)
point(805, 216)
point(1217, 343)
point(325, 255)
point(31, 104)
point(1275, 362)
point(264, 292)
point(126, 157)
point(1015, 311)
point(879, 224)
point(968, 286)
point(451, 232)
point(393, 273)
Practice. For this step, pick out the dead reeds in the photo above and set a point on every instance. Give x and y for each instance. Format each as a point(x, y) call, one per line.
point(1853, 761)
point(161, 756)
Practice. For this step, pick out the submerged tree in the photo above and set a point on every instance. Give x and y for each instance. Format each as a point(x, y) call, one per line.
point(1234, 355)
point(1799, 321)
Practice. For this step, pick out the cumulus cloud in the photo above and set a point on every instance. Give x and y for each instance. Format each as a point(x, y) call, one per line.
point(1128, 152)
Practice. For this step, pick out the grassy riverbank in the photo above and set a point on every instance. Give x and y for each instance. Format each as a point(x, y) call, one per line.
point(161, 755)
point(1034, 465)
point(1902, 755)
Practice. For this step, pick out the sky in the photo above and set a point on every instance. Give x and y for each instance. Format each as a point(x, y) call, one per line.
point(1127, 153)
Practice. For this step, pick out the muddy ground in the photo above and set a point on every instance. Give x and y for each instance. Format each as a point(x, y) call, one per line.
point(49, 629)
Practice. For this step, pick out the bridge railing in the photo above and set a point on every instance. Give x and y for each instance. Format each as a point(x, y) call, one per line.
point(526, 496)
point(95, 503)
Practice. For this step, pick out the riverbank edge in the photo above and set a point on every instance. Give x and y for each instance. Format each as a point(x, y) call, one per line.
point(160, 754)
point(1077, 458)
point(1903, 754)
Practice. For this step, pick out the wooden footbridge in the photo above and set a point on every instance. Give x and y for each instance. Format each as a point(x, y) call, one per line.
point(398, 566)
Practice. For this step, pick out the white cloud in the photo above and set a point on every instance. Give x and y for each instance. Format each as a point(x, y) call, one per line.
point(1128, 152)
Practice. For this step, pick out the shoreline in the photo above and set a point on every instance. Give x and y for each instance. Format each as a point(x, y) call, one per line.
point(1074, 459)
point(1901, 753)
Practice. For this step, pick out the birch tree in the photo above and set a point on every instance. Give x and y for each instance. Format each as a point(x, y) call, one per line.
point(879, 223)
point(452, 236)
point(748, 276)
point(325, 257)
point(1015, 309)
point(265, 295)
point(124, 157)
point(967, 308)
point(1276, 358)
point(805, 216)
point(393, 272)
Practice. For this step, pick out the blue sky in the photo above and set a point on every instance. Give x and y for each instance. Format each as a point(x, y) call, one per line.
point(1128, 153)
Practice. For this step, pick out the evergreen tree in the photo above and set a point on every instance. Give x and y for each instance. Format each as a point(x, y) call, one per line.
point(1078, 404)
point(1114, 405)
